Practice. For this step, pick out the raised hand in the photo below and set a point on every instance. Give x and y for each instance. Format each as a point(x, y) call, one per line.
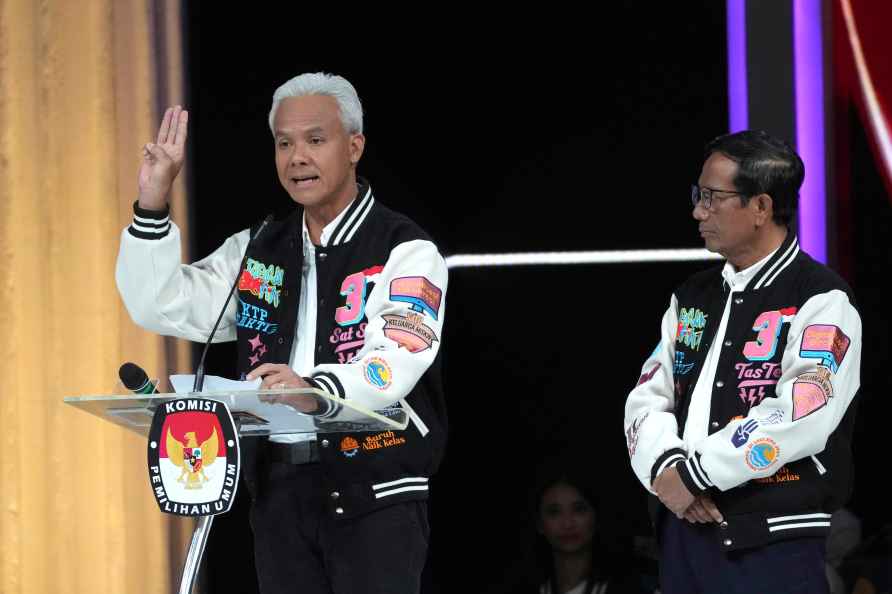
point(163, 159)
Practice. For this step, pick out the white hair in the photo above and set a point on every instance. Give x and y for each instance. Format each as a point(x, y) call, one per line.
point(321, 83)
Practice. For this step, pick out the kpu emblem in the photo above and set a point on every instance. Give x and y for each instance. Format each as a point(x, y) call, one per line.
point(193, 457)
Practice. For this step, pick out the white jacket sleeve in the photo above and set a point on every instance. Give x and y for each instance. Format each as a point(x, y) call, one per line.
point(650, 423)
point(174, 299)
point(405, 313)
point(820, 375)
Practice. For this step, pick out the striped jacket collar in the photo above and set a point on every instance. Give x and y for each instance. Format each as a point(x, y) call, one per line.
point(354, 216)
point(779, 261)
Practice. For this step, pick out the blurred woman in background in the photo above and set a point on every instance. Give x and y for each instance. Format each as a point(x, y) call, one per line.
point(572, 556)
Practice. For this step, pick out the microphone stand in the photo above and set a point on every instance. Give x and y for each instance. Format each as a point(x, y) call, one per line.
point(199, 371)
point(203, 528)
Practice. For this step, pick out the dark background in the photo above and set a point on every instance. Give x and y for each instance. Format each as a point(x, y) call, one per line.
point(582, 134)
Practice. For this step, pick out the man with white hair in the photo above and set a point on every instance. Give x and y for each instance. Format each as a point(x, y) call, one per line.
point(344, 295)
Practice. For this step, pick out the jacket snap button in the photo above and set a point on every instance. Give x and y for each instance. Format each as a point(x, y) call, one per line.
point(738, 301)
point(724, 526)
point(728, 542)
point(719, 384)
point(715, 423)
point(324, 443)
point(727, 343)
point(339, 510)
point(281, 340)
point(335, 494)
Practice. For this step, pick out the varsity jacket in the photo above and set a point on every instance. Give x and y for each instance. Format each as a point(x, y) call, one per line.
point(381, 289)
point(777, 458)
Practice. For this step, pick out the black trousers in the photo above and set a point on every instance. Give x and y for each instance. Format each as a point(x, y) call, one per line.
point(300, 549)
point(691, 562)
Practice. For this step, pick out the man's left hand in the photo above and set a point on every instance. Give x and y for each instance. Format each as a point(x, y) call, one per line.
point(278, 376)
point(672, 492)
point(703, 511)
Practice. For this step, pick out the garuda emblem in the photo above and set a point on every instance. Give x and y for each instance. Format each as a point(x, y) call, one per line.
point(192, 457)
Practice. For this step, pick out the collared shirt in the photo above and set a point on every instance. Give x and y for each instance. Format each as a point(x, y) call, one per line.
point(697, 426)
point(302, 359)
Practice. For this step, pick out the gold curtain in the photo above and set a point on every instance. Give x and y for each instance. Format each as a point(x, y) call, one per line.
point(82, 85)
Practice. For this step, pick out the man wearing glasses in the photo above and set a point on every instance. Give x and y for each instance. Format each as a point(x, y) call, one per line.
point(741, 421)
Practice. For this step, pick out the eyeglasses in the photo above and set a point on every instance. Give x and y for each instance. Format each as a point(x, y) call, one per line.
point(705, 195)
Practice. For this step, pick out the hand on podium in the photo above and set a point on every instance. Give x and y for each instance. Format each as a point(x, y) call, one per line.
point(278, 376)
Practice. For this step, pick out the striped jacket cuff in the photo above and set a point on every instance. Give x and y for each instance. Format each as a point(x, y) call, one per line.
point(327, 382)
point(403, 485)
point(693, 476)
point(666, 460)
point(149, 224)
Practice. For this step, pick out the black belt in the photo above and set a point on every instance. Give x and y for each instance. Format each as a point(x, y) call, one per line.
point(300, 452)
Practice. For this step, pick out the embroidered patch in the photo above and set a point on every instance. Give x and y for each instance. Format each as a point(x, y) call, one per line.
point(646, 377)
point(354, 288)
point(262, 281)
point(632, 433)
point(690, 327)
point(423, 295)
point(254, 317)
point(825, 342)
point(742, 433)
point(348, 341)
point(768, 325)
point(379, 441)
point(409, 331)
point(756, 381)
point(761, 454)
point(258, 350)
point(378, 373)
point(774, 416)
point(783, 475)
point(811, 391)
point(681, 368)
point(349, 446)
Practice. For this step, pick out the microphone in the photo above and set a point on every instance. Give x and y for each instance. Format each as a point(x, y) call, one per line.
point(135, 379)
point(199, 372)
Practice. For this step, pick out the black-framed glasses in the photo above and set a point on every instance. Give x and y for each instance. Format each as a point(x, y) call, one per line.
point(705, 195)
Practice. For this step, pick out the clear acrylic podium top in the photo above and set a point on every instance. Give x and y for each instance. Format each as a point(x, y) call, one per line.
point(262, 412)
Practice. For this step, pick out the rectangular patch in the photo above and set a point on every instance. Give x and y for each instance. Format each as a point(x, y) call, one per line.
point(424, 295)
point(825, 342)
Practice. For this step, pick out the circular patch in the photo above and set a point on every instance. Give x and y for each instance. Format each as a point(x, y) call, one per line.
point(377, 373)
point(762, 453)
point(349, 446)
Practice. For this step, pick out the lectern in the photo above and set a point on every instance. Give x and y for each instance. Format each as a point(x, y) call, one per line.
point(255, 413)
